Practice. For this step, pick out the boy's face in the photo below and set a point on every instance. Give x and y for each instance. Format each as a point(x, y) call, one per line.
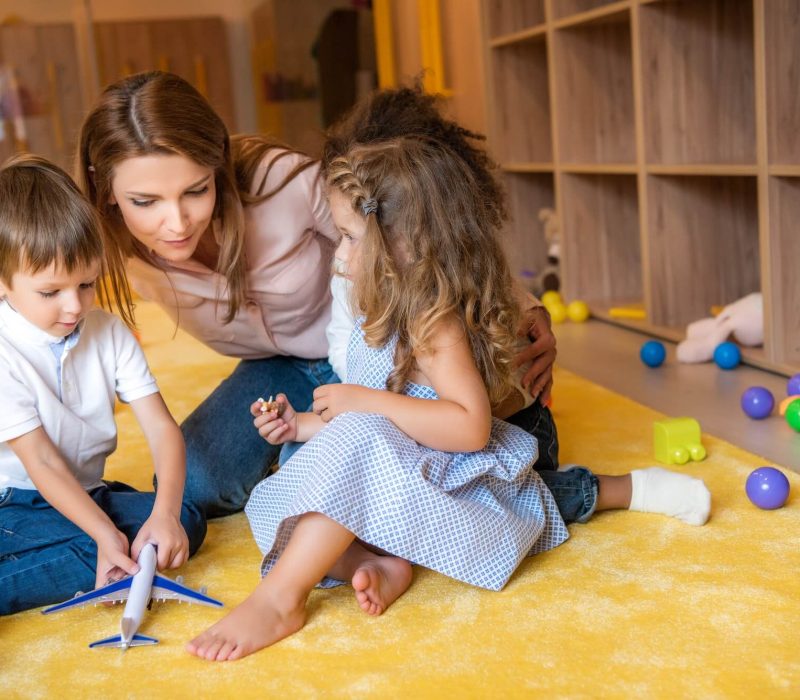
point(353, 227)
point(51, 299)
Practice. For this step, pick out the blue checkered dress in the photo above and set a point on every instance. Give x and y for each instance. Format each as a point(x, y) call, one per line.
point(470, 515)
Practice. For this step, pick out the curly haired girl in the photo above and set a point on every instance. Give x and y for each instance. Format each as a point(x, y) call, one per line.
point(405, 462)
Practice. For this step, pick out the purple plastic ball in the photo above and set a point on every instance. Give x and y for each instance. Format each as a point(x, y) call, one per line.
point(767, 488)
point(757, 402)
point(793, 386)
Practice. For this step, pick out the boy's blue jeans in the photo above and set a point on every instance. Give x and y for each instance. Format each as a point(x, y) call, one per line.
point(575, 489)
point(45, 558)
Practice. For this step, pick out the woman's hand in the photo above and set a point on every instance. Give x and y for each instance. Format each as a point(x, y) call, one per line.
point(541, 353)
point(277, 426)
point(332, 399)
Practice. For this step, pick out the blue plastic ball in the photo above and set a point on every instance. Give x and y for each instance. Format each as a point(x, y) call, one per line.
point(793, 386)
point(653, 353)
point(767, 488)
point(727, 355)
point(757, 402)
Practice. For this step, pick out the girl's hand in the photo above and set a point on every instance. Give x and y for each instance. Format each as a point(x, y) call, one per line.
point(332, 399)
point(274, 428)
point(541, 354)
point(165, 531)
point(113, 562)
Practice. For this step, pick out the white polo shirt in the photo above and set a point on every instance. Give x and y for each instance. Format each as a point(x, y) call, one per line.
point(68, 390)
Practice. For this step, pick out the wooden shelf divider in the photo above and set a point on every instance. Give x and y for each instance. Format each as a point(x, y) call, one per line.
point(666, 134)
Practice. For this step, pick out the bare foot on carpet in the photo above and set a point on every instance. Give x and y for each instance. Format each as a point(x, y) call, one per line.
point(256, 623)
point(379, 582)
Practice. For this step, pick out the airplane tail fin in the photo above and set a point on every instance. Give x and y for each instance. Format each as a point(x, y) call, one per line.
point(139, 640)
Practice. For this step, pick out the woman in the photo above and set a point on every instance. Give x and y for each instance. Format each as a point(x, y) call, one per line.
point(234, 239)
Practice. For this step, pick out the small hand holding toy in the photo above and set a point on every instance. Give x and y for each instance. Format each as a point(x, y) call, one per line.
point(275, 420)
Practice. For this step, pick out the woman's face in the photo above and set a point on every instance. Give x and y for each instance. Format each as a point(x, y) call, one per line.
point(166, 201)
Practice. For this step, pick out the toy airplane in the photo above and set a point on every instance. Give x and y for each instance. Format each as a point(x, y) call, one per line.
point(139, 590)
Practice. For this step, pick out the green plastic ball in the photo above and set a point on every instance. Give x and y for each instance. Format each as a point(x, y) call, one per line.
point(793, 414)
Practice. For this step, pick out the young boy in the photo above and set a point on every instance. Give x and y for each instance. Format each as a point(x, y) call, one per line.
point(62, 528)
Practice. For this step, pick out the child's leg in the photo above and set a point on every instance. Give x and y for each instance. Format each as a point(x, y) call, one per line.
point(276, 608)
point(538, 421)
point(579, 493)
point(657, 490)
point(44, 557)
point(378, 579)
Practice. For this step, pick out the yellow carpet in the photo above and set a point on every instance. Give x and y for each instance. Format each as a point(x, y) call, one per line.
point(631, 606)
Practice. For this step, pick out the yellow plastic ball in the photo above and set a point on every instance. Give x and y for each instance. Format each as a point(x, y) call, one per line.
point(578, 311)
point(558, 313)
point(551, 297)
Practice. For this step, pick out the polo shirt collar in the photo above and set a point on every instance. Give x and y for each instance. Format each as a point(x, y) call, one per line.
point(23, 328)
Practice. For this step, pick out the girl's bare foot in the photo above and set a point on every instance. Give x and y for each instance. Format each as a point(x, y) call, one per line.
point(379, 581)
point(261, 620)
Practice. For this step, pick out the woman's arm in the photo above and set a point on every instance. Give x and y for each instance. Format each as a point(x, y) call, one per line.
point(460, 421)
point(163, 528)
point(54, 480)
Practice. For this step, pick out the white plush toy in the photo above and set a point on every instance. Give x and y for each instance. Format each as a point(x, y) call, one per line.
point(744, 319)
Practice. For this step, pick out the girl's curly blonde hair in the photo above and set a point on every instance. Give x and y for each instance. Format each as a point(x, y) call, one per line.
point(431, 252)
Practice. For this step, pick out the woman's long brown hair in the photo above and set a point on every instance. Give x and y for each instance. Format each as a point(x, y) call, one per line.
point(161, 113)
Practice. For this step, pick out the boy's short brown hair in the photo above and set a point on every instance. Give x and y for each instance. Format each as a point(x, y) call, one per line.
point(44, 218)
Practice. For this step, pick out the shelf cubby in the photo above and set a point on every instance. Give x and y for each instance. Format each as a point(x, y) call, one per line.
point(697, 61)
point(568, 8)
point(521, 107)
point(703, 245)
point(594, 92)
point(670, 130)
point(782, 62)
point(512, 16)
point(527, 194)
point(784, 196)
point(600, 238)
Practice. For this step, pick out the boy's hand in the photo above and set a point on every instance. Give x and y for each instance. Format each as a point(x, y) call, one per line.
point(165, 531)
point(332, 399)
point(113, 562)
point(275, 426)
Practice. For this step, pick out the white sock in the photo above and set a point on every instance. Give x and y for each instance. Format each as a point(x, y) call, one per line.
point(657, 490)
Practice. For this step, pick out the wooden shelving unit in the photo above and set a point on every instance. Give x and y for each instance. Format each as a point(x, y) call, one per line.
point(666, 134)
point(41, 107)
point(196, 48)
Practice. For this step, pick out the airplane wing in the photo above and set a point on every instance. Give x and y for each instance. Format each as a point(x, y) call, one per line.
point(167, 589)
point(139, 640)
point(111, 593)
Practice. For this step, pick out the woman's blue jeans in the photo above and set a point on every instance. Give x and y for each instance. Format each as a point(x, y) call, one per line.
point(226, 457)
